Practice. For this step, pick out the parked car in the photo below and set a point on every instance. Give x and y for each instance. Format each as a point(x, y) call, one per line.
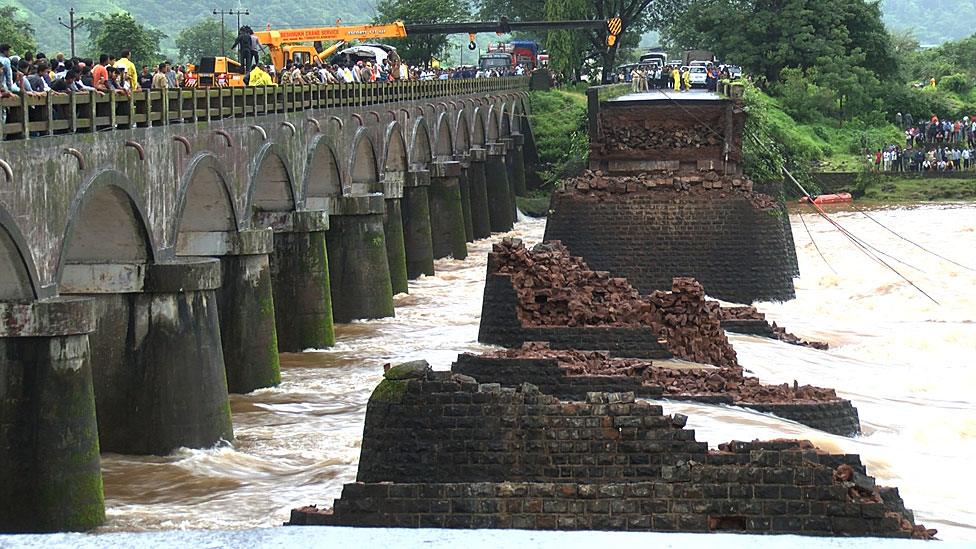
point(699, 75)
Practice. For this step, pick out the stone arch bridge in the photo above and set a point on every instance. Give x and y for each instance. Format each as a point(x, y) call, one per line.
point(159, 251)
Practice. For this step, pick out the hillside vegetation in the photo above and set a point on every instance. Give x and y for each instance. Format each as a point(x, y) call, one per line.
point(931, 21)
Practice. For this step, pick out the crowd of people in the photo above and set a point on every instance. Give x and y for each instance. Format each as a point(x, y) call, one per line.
point(388, 69)
point(933, 145)
point(676, 77)
point(36, 74)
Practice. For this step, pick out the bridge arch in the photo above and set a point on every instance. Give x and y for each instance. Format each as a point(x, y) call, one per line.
point(205, 201)
point(516, 115)
point(395, 149)
point(419, 152)
point(492, 130)
point(479, 135)
point(506, 121)
point(462, 134)
point(322, 178)
point(106, 225)
point(363, 171)
point(18, 277)
point(444, 142)
point(270, 188)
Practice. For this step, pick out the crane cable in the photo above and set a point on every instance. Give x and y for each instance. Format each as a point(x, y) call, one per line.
point(858, 243)
point(913, 243)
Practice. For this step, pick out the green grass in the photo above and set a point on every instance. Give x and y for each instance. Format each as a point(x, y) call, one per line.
point(905, 189)
point(559, 126)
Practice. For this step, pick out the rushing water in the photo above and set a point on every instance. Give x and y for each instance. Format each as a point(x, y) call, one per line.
point(908, 364)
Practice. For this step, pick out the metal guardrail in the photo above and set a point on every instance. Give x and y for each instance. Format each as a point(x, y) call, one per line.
point(30, 116)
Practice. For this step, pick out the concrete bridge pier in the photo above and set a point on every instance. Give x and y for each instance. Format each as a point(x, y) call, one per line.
point(518, 164)
point(50, 471)
point(158, 365)
point(446, 211)
point(300, 279)
point(480, 220)
point(500, 198)
point(245, 303)
point(509, 143)
point(396, 255)
point(464, 183)
point(359, 271)
point(416, 225)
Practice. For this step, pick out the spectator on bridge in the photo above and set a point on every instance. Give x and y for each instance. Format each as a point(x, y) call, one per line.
point(146, 78)
point(129, 69)
point(159, 80)
point(171, 78)
point(243, 46)
point(6, 71)
point(259, 77)
point(65, 84)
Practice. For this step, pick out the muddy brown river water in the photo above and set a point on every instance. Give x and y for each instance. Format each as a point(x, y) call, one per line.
point(908, 364)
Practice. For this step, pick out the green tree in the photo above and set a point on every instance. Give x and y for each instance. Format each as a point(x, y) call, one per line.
point(16, 31)
point(637, 18)
point(202, 39)
point(567, 48)
point(766, 36)
point(119, 31)
point(419, 50)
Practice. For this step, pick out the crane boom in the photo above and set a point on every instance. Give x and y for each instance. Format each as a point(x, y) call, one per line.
point(279, 41)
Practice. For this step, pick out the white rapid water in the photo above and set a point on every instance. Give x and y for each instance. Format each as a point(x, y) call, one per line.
point(907, 364)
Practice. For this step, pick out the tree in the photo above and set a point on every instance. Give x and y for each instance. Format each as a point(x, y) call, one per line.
point(202, 39)
point(637, 17)
point(567, 48)
point(420, 50)
point(16, 31)
point(119, 31)
point(766, 36)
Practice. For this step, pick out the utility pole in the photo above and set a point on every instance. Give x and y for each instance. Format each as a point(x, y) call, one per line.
point(71, 26)
point(222, 13)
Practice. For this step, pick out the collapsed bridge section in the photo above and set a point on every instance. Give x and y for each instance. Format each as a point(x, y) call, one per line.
point(665, 197)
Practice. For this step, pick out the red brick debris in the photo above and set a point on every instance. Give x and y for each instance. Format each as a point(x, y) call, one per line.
point(861, 488)
point(555, 288)
point(596, 184)
point(728, 381)
point(620, 138)
point(780, 333)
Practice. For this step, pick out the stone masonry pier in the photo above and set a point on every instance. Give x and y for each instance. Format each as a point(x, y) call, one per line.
point(441, 450)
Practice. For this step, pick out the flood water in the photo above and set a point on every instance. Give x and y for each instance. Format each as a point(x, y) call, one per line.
point(908, 364)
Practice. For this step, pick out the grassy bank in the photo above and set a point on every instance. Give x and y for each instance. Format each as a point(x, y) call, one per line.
point(559, 126)
point(914, 189)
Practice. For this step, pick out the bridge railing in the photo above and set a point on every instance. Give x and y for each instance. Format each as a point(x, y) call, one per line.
point(32, 116)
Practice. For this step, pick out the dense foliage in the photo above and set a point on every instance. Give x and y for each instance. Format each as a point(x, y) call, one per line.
point(559, 127)
point(420, 50)
point(118, 31)
point(15, 30)
point(203, 39)
point(932, 21)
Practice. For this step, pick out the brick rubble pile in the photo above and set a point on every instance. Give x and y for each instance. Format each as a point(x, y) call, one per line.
point(621, 138)
point(596, 184)
point(729, 381)
point(556, 289)
point(780, 333)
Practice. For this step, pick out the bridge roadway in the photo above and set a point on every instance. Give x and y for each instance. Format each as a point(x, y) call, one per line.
point(159, 251)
